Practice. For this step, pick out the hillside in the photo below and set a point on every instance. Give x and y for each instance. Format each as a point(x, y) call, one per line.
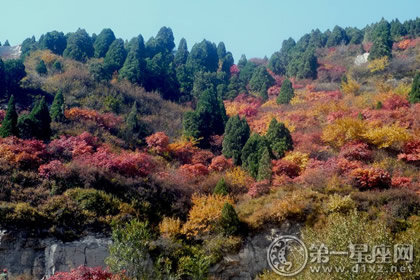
point(188, 155)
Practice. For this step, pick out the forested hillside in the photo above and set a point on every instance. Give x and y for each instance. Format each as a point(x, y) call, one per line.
point(185, 153)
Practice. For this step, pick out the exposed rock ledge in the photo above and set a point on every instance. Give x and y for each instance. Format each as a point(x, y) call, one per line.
point(38, 257)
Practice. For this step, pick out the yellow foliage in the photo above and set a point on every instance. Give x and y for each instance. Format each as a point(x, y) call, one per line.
point(238, 177)
point(342, 204)
point(205, 214)
point(378, 64)
point(270, 103)
point(388, 136)
point(402, 89)
point(383, 87)
point(170, 227)
point(297, 99)
point(344, 130)
point(48, 57)
point(350, 87)
point(298, 158)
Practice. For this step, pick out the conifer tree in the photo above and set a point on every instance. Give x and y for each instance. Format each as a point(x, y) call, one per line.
point(79, 46)
point(9, 124)
point(181, 54)
point(229, 220)
point(134, 65)
point(115, 57)
point(236, 134)
point(135, 129)
point(37, 123)
point(260, 81)
point(221, 188)
point(57, 107)
point(102, 42)
point(286, 93)
point(414, 95)
point(279, 138)
point(6, 44)
point(41, 68)
point(252, 153)
point(264, 166)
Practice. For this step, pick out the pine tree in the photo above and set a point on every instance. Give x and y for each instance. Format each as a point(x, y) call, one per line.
point(260, 81)
point(9, 124)
point(57, 107)
point(382, 42)
point(6, 44)
point(102, 42)
point(414, 95)
point(236, 134)
point(252, 153)
point(37, 123)
point(264, 166)
point(134, 65)
point(135, 129)
point(279, 138)
point(115, 57)
point(181, 55)
point(41, 68)
point(286, 92)
point(221, 188)
point(79, 46)
point(229, 220)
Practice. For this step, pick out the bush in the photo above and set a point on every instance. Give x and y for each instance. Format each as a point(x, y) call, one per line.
point(370, 178)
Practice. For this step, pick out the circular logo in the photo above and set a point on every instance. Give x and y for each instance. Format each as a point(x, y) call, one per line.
point(287, 255)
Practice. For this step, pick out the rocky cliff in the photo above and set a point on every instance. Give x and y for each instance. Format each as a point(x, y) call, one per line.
point(36, 257)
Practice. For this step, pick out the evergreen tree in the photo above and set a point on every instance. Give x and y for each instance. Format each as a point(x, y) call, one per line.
point(2, 79)
point(135, 130)
point(115, 57)
point(37, 123)
point(54, 41)
point(57, 107)
point(229, 220)
point(203, 57)
point(221, 50)
point(414, 95)
point(28, 45)
point(6, 44)
point(103, 42)
point(260, 81)
point(41, 68)
point(286, 93)
point(79, 46)
point(355, 35)
point(236, 135)
point(264, 166)
point(134, 65)
point(9, 123)
point(252, 152)
point(397, 30)
point(14, 70)
point(182, 53)
point(382, 43)
point(207, 120)
point(221, 188)
point(242, 62)
point(337, 37)
point(279, 138)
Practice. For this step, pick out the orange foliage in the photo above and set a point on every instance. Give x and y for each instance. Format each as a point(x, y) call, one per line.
point(220, 163)
point(107, 120)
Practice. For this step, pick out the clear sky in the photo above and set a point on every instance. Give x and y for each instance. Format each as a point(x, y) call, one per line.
point(252, 27)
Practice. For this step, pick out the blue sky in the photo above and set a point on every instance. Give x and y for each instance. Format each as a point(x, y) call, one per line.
point(252, 27)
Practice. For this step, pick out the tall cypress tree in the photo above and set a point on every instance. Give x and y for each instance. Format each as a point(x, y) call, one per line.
point(102, 42)
point(134, 65)
point(42, 120)
point(264, 166)
point(182, 53)
point(236, 134)
point(135, 129)
point(9, 124)
point(57, 107)
point(414, 95)
point(252, 153)
point(279, 138)
point(229, 220)
point(286, 93)
point(115, 57)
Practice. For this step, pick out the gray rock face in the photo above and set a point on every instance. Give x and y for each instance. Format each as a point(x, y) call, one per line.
point(361, 59)
point(38, 257)
point(252, 258)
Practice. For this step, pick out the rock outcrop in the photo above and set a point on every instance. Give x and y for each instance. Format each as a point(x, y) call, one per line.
point(37, 257)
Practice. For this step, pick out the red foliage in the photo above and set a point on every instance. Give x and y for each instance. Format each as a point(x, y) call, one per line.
point(73, 146)
point(202, 156)
point(51, 169)
point(259, 188)
point(284, 167)
point(356, 151)
point(220, 163)
point(158, 143)
point(87, 273)
point(274, 90)
point(193, 170)
point(395, 102)
point(26, 153)
point(2, 115)
point(308, 142)
point(346, 166)
point(234, 70)
point(106, 120)
point(127, 163)
point(411, 152)
point(370, 178)
point(249, 111)
point(400, 182)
